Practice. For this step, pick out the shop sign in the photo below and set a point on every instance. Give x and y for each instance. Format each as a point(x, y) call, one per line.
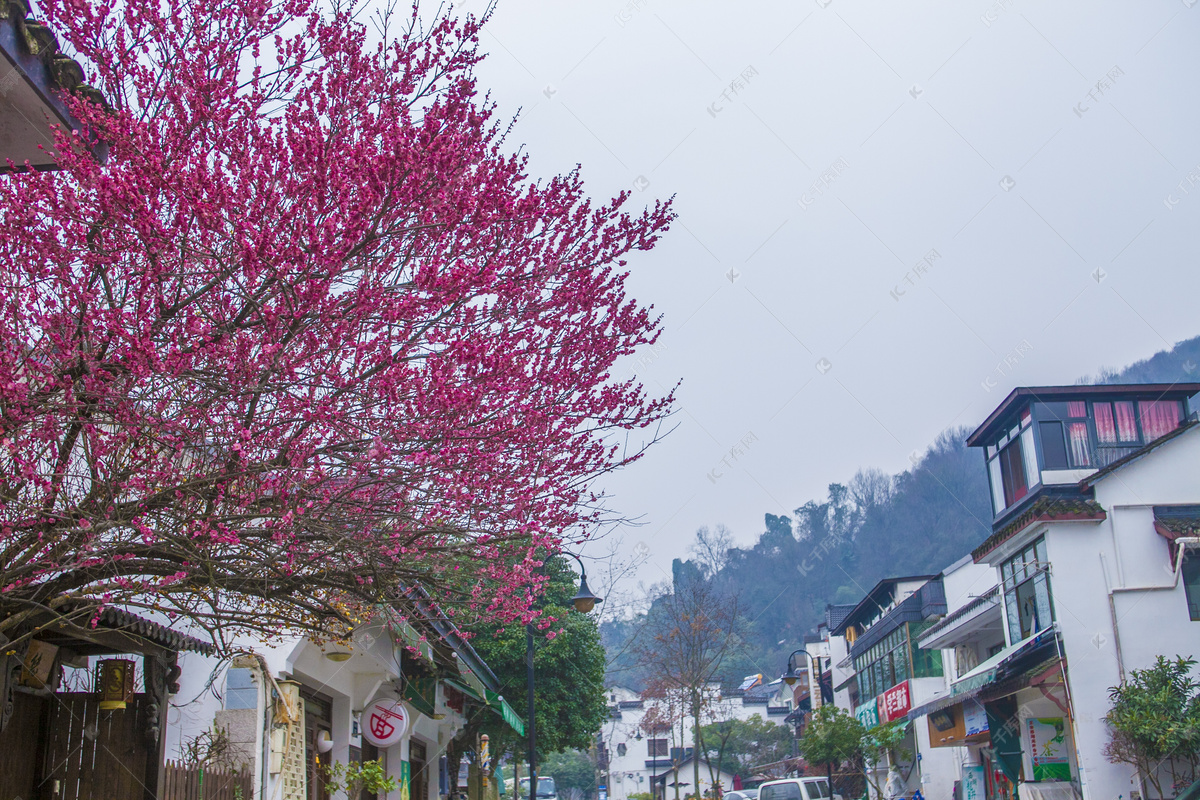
point(974, 718)
point(972, 783)
point(1048, 745)
point(386, 722)
point(894, 703)
point(868, 714)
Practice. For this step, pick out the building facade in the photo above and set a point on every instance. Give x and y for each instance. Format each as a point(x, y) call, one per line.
point(1097, 502)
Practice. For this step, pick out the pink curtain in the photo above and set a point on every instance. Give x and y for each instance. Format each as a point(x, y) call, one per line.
point(1126, 422)
point(1076, 408)
point(1077, 434)
point(1106, 426)
point(1159, 417)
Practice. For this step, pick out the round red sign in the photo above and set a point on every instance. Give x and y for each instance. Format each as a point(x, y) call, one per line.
point(384, 722)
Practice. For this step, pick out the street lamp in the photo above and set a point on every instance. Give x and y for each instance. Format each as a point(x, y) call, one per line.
point(794, 672)
point(584, 601)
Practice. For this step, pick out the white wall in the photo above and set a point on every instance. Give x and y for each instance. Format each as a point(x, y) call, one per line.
point(1124, 559)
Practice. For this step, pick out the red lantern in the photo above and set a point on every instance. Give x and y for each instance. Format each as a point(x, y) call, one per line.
point(114, 683)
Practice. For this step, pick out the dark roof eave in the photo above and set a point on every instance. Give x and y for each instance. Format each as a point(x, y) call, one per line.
point(978, 436)
point(1044, 509)
point(868, 600)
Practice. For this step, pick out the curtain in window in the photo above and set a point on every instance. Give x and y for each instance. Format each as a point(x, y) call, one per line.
point(1106, 426)
point(1077, 435)
point(1077, 408)
point(1159, 417)
point(1126, 422)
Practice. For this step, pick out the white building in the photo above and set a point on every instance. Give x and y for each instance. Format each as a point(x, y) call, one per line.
point(291, 709)
point(1096, 495)
point(644, 739)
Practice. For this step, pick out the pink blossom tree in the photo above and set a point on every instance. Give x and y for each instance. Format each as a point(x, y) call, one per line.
point(311, 335)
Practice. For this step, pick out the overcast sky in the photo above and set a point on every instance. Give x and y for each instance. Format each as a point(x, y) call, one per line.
point(890, 214)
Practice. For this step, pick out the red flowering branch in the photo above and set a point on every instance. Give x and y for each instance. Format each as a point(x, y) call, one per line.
point(309, 336)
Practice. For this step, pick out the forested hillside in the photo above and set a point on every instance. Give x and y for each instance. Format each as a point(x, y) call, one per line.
point(870, 527)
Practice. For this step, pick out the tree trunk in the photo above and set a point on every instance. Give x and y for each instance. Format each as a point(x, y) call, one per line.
point(696, 745)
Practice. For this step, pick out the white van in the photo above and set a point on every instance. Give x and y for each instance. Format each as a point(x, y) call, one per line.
point(797, 789)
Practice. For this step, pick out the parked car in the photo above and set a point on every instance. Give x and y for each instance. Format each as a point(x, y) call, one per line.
point(797, 789)
point(742, 794)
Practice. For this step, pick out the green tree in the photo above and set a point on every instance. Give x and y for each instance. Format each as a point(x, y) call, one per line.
point(570, 769)
point(1155, 722)
point(568, 664)
point(834, 737)
point(737, 746)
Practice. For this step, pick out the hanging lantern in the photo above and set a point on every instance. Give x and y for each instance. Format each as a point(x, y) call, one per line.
point(114, 683)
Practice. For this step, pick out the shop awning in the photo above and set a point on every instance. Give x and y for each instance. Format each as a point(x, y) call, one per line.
point(493, 701)
point(501, 706)
point(985, 673)
point(466, 689)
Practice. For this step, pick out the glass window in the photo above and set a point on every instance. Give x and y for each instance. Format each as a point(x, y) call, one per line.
point(1106, 425)
point(1191, 584)
point(1079, 447)
point(1027, 595)
point(1127, 431)
point(240, 690)
point(781, 791)
point(1159, 417)
point(1054, 446)
point(1012, 471)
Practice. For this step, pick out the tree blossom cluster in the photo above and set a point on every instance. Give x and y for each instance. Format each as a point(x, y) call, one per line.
point(310, 335)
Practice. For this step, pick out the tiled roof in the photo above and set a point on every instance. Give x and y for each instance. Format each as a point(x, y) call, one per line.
point(836, 614)
point(1044, 509)
point(38, 40)
point(122, 620)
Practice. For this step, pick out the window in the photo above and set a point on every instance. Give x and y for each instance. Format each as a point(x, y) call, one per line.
point(1012, 471)
point(1158, 417)
point(1054, 446)
point(884, 665)
point(1012, 464)
point(926, 663)
point(781, 791)
point(1027, 598)
point(1066, 443)
point(622, 749)
point(657, 747)
point(817, 790)
point(1191, 584)
point(240, 691)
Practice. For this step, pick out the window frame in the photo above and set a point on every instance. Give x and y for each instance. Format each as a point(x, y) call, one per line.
point(1025, 575)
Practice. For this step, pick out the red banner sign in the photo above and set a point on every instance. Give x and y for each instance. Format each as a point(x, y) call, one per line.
point(894, 703)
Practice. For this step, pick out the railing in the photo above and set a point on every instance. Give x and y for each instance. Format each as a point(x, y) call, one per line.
point(204, 783)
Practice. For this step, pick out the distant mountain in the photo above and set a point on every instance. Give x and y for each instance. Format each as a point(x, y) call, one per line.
point(874, 526)
point(1180, 363)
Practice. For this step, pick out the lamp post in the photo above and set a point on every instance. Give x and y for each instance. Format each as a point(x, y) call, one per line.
point(791, 674)
point(584, 601)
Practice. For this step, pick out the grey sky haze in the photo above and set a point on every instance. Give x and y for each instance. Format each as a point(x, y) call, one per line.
point(889, 215)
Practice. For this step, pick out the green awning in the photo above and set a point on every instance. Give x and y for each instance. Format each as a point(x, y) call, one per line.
point(465, 689)
point(493, 701)
point(985, 673)
point(501, 706)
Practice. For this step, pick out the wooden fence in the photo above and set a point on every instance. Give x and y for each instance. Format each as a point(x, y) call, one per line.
point(204, 783)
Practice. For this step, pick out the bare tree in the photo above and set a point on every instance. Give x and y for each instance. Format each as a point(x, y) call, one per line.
point(710, 551)
point(686, 640)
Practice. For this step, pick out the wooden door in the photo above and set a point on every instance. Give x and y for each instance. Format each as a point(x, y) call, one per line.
point(419, 765)
point(318, 716)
